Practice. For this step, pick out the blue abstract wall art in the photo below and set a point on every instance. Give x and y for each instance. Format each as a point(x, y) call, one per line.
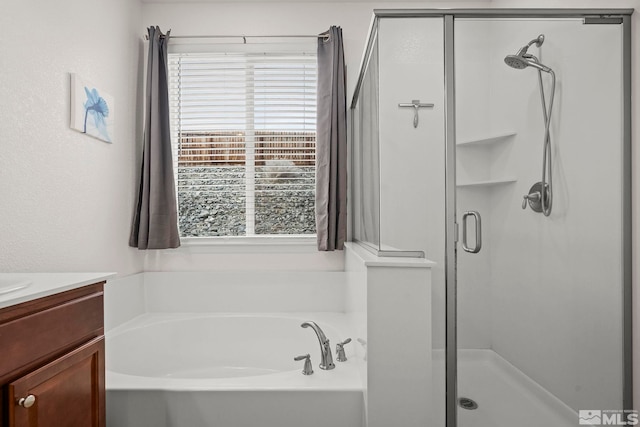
point(91, 109)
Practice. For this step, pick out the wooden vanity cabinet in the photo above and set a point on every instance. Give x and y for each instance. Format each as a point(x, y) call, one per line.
point(52, 361)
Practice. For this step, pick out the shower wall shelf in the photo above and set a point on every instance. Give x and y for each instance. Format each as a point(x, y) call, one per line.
point(487, 183)
point(503, 137)
point(477, 166)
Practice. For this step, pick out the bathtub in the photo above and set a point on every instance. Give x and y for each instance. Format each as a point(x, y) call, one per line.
point(229, 370)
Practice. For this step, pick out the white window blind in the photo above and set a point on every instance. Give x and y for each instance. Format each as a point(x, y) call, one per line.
point(244, 132)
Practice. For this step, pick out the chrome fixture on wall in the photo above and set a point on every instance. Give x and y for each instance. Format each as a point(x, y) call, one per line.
point(534, 198)
point(544, 194)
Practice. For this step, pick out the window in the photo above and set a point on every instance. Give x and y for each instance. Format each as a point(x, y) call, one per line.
point(244, 132)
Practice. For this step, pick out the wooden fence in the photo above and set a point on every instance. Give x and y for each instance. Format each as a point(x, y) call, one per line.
point(228, 148)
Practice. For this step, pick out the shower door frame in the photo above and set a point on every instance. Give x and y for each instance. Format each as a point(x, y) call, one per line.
point(451, 226)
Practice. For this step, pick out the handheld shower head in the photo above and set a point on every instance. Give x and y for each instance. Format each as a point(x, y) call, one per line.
point(515, 61)
point(520, 62)
point(522, 59)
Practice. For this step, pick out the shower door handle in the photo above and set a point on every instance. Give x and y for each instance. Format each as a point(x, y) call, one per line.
point(478, 221)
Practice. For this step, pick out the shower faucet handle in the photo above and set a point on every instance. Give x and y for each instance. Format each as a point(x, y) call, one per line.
point(531, 197)
point(308, 369)
point(534, 198)
point(341, 356)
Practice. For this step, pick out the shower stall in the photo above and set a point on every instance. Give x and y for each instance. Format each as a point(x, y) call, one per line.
point(497, 144)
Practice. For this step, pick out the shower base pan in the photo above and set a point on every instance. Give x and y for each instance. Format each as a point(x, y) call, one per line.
point(503, 393)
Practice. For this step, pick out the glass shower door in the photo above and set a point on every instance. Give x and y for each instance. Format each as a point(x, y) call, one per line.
point(397, 182)
point(540, 274)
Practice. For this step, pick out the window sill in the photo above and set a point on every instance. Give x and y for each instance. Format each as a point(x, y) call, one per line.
point(253, 244)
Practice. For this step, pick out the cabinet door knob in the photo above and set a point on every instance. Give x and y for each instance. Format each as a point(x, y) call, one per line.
point(27, 402)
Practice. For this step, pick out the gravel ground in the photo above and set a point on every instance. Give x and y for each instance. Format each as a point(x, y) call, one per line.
point(210, 209)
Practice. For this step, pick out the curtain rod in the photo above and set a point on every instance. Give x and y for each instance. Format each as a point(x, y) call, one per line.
point(243, 37)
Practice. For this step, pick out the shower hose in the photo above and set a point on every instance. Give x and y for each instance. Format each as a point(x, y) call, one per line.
point(546, 192)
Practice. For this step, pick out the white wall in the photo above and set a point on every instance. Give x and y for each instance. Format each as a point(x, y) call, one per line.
point(66, 198)
point(239, 257)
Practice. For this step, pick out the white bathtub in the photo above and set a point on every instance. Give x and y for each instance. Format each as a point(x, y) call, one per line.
point(229, 370)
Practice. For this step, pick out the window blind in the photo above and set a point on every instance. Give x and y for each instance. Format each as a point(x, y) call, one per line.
point(244, 128)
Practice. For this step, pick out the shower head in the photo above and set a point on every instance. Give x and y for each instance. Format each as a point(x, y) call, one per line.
point(522, 59)
point(516, 61)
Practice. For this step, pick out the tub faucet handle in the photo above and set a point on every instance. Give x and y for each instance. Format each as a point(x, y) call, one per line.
point(341, 357)
point(307, 370)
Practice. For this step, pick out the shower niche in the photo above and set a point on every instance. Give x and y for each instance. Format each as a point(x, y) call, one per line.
point(483, 162)
point(523, 324)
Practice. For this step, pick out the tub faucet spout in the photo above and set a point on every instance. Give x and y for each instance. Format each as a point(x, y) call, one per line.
point(326, 359)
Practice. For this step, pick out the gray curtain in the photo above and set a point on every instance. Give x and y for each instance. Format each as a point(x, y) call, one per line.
point(155, 223)
point(331, 143)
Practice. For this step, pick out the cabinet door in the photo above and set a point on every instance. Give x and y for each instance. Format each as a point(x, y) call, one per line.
point(68, 392)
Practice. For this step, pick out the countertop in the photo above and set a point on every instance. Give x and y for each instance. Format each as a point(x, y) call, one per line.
point(45, 284)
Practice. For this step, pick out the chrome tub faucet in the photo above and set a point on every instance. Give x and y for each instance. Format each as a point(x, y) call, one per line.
point(326, 359)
